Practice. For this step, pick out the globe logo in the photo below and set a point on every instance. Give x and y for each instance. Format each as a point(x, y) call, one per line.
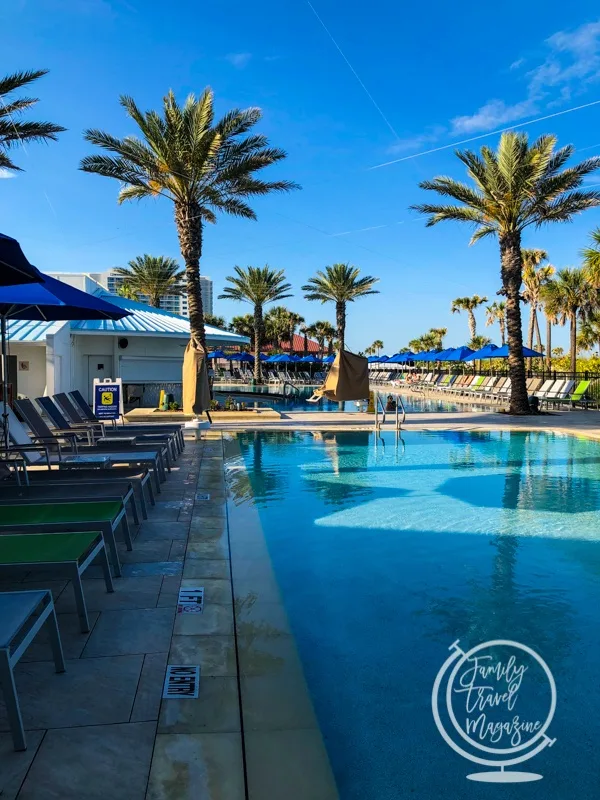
point(493, 705)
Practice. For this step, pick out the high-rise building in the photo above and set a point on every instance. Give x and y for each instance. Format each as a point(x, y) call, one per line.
point(176, 304)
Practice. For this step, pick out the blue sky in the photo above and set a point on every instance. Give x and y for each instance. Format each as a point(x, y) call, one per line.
point(409, 78)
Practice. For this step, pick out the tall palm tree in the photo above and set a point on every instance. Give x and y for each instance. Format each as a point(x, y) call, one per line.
point(517, 186)
point(243, 325)
point(14, 131)
point(375, 347)
point(216, 322)
point(203, 167)
point(551, 319)
point(496, 312)
point(125, 290)
point(468, 304)
point(479, 341)
point(154, 276)
point(305, 331)
point(589, 333)
point(569, 297)
point(258, 286)
point(534, 277)
point(339, 284)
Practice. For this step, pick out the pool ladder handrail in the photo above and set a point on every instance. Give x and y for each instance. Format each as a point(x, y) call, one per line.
point(289, 383)
point(379, 405)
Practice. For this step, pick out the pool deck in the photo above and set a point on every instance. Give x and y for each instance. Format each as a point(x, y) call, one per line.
point(585, 423)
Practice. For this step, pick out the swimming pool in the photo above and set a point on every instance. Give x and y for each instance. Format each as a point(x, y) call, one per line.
point(388, 550)
point(298, 401)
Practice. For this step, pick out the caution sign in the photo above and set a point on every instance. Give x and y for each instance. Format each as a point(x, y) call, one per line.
point(108, 398)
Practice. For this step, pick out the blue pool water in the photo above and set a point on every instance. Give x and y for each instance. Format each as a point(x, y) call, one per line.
point(385, 555)
point(262, 396)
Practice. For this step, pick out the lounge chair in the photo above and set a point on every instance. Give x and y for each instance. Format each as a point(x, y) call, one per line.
point(74, 416)
point(561, 395)
point(161, 442)
point(555, 390)
point(22, 616)
point(544, 388)
point(103, 516)
point(37, 453)
point(56, 493)
point(89, 416)
point(579, 395)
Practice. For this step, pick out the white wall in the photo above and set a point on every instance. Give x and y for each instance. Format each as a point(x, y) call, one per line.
point(31, 382)
point(59, 361)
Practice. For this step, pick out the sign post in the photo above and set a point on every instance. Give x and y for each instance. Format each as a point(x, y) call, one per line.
point(108, 398)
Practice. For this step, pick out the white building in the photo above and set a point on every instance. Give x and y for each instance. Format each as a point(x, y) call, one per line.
point(175, 304)
point(145, 349)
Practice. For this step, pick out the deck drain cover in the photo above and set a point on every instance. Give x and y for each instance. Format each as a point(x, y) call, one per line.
point(191, 601)
point(181, 682)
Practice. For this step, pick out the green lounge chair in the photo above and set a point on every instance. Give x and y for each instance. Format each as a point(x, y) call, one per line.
point(103, 515)
point(579, 394)
point(22, 615)
point(90, 492)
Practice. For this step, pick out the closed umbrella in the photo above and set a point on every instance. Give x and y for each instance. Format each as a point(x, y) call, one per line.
point(50, 299)
point(14, 267)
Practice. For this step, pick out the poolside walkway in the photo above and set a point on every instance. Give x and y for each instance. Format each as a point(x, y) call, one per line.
point(101, 729)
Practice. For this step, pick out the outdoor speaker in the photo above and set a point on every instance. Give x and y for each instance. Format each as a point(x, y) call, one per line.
point(123, 343)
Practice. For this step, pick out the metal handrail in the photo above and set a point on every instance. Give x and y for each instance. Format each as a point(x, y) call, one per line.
point(399, 406)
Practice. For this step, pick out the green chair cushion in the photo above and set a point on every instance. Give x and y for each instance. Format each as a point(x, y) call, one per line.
point(37, 513)
point(45, 547)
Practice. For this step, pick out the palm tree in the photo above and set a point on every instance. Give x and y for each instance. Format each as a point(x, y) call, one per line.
point(14, 132)
point(375, 347)
point(216, 322)
point(276, 325)
point(468, 304)
point(339, 284)
point(436, 335)
point(125, 290)
point(306, 331)
point(203, 168)
point(551, 319)
point(496, 312)
point(591, 259)
point(479, 341)
point(322, 330)
point(243, 325)
point(589, 333)
point(534, 277)
point(569, 296)
point(258, 286)
point(294, 321)
point(515, 187)
point(154, 276)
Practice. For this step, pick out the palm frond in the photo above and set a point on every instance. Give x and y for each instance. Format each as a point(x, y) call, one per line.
point(10, 83)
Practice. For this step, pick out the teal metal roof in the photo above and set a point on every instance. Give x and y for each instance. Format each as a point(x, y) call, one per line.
point(21, 330)
point(143, 320)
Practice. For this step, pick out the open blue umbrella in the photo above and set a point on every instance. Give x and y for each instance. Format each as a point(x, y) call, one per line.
point(309, 360)
point(459, 354)
point(485, 352)
point(329, 359)
point(502, 352)
point(217, 354)
point(430, 355)
point(14, 267)
point(443, 356)
point(50, 299)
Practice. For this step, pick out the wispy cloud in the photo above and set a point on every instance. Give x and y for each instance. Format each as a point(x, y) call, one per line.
point(5, 174)
point(239, 60)
point(570, 63)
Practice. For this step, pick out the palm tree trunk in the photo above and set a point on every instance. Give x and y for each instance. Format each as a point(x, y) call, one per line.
point(573, 344)
point(330, 347)
point(305, 348)
point(548, 343)
point(258, 338)
point(530, 332)
point(472, 324)
point(189, 232)
point(503, 330)
point(512, 277)
point(340, 319)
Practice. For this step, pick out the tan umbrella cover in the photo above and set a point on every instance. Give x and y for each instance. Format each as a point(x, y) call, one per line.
point(196, 390)
point(348, 378)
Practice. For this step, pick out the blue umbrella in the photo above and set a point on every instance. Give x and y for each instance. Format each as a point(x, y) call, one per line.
point(402, 358)
point(50, 299)
point(459, 354)
point(372, 359)
point(329, 359)
point(263, 356)
point(309, 360)
point(443, 356)
point(14, 267)
point(502, 352)
point(217, 354)
point(430, 355)
point(485, 352)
